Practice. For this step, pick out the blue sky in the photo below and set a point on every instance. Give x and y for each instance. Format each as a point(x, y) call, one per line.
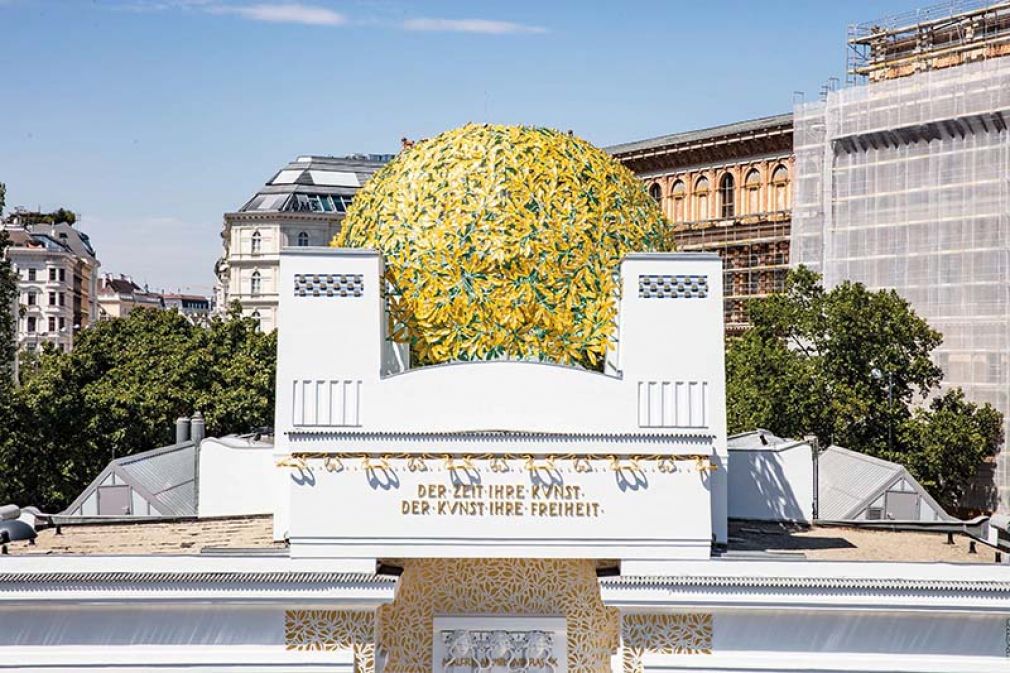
point(153, 117)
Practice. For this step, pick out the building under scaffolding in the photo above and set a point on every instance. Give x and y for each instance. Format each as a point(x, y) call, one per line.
point(727, 190)
point(940, 36)
point(904, 183)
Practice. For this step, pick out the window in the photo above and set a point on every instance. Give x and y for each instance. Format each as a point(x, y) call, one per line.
point(52, 324)
point(701, 199)
point(32, 298)
point(656, 192)
point(727, 196)
point(259, 321)
point(32, 274)
point(752, 192)
point(63, 275)
point(256, 284)
point(678, 192)
point(257, 243)
point(62, 298)
point(52, 299)
point(52, 274)
point(31, 324)
point(780, 183)
point(303, 239)
point(63, 324)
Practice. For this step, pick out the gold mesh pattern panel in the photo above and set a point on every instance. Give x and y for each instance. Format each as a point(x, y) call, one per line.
point(430, 587)
point(664, 634)
point(329, 630)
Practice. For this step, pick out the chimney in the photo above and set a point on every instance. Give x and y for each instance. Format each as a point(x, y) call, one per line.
point(197, 429)
point(181, 430)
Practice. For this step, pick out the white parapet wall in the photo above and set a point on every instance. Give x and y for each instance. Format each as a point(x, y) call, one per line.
point(365, 449)
point(237, 476)
point(772, 483)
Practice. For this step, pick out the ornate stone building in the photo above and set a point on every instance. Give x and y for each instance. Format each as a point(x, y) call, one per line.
point(57, 280)
point(303, 204)
point(726, 189)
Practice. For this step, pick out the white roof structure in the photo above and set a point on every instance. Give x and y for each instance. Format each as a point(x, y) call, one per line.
point(159, 482)
point(770, 478)
point(852, 483)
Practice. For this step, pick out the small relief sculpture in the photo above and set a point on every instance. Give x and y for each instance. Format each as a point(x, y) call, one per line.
point(459, 651)
point(498, 652)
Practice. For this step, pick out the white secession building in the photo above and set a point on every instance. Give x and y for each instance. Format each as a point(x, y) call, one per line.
point(491, 517)
point(303, 204)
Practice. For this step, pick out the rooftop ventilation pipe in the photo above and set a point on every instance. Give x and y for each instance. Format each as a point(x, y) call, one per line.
point(197, 428)
point(181, 430)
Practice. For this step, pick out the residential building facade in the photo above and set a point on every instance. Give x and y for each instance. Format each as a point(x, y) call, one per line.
point(725, 189)
point(195, 307)
point(58, 275)
point(902, 183)
point(118, 296)
point(302, 205)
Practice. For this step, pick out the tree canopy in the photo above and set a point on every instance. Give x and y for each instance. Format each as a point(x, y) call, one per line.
point(120, 390)
point(847, 365)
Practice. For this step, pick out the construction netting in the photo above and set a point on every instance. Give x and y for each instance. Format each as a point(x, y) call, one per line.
point(905, 184)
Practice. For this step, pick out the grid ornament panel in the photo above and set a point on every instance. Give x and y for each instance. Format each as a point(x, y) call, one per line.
point(653, 286)
point(329, 285)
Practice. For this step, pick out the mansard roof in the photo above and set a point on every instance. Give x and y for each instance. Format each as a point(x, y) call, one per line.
point(304, 184)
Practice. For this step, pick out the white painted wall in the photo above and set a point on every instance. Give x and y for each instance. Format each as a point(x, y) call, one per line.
point(773, 484)
point(237, 476)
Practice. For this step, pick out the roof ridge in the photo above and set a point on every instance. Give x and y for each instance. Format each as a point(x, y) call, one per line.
point(709, 131)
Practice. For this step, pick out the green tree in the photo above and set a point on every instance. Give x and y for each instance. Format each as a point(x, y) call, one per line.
point(847, 365)
point(53, 217)
point(944, 444)
point(8, 305)
point(120, 390)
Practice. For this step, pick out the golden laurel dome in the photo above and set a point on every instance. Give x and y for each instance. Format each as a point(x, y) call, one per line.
point(503, 242)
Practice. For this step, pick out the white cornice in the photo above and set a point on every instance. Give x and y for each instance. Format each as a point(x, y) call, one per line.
point(188, 579)
point(816, 585)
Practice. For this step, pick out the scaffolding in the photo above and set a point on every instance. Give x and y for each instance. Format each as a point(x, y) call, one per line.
point(905, 184)
point(939, 36)
point(755, 258)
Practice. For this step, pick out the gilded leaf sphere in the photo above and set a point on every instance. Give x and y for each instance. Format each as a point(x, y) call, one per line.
point(503, 242)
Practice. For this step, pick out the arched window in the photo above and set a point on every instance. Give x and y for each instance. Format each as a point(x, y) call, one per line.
point(259, 320)
point(727, 196)
point(656, 192)
point(752, 192)
point(255, 284)
point(303, 239)
point(780, 186)
point(701, 199)
point(257, 243)
point(679, 192)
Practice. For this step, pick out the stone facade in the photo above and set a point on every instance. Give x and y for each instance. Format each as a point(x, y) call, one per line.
point(302, 205)
point(57, 282)
point(726, 190)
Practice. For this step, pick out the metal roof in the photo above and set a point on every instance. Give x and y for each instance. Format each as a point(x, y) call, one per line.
point(849, 481)
point(315, 175)
point(165, 477)
point(761, 440)
point(167, 473)
point(747, 126)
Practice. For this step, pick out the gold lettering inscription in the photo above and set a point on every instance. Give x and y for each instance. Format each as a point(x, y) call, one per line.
point(501, 500)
